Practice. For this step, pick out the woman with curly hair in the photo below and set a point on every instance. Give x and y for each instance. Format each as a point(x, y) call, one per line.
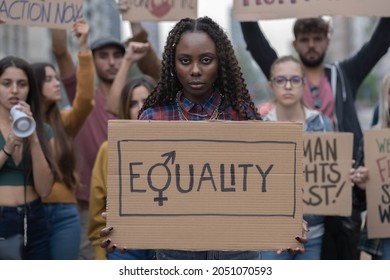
point(200, 80)
point(200, 77)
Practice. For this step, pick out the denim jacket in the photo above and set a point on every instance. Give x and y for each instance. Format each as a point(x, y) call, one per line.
point(314, 122)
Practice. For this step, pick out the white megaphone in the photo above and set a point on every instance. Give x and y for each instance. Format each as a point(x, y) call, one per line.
point(22, 125)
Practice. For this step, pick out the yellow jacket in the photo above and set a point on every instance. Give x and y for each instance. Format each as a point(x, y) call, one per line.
point(97, 201)
point(150, 64)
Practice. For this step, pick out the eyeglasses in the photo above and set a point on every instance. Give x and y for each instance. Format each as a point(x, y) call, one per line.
point(281, 81)
point(315, 93)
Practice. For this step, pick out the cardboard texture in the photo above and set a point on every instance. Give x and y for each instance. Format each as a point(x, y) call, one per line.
point(205, 185)
point(59, 14)
point(168, 10)
point(248, 10)
point(377, 159)
point(327, 160)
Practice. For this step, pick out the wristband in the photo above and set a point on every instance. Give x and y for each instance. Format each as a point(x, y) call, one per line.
point(6, 153)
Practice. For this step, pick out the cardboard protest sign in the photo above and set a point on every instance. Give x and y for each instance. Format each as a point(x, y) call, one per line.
point(247, 10)
point(326, 164)
point(205, 185)
point(161, 10)
point(49, 13)
point(377, 159)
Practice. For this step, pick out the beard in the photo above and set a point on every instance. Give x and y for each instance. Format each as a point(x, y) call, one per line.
point(105, 79)
point(106, 76)
point(312, 63)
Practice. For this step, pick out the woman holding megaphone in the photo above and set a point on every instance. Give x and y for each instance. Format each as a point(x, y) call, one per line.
point(27, 169)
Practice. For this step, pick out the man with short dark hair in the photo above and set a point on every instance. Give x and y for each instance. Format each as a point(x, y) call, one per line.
point(331, 89)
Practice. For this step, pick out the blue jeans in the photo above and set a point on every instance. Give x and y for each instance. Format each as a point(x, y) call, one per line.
point(64, 229)
point(11, 223)
point(312, 252)
point(386, 249)
point(86, 251)
point(131, 255)
point(207, 255)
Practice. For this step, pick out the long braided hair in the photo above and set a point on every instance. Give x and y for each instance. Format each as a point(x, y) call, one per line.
point(229, 82)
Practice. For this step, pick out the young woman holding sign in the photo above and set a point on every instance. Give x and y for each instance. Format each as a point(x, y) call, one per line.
point(200, 80)
point(377, 248)
point(131, 100)
point(287, 85)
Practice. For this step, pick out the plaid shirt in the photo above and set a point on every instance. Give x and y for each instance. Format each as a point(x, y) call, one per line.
point(191, 111)
point(203, 110)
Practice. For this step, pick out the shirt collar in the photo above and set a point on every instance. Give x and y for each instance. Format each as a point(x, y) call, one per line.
point(206, 106)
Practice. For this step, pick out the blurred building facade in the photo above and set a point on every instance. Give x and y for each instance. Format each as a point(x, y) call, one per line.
point(349, 34)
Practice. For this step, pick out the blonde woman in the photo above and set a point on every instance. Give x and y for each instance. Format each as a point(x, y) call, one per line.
point(377, 248)
point(287, 84)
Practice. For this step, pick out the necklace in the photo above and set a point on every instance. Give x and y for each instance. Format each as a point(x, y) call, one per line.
point(214, 116)
point(192, 114)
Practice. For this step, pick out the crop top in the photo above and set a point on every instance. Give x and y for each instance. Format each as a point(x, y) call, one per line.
point(13, 175)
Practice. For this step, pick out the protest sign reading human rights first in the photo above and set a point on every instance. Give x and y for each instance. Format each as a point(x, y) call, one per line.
point(326, 165)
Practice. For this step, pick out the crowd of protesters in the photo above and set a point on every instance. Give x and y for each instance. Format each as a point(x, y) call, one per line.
point(53, 183)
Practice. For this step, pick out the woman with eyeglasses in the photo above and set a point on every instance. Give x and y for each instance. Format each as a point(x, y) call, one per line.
point(287, 85)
